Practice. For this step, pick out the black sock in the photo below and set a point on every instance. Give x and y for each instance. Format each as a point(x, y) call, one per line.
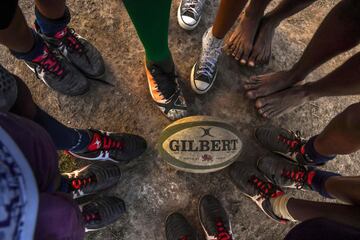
point(64, 138)
point(167, 65)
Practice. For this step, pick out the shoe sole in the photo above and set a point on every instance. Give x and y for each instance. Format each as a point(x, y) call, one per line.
point(192, 81)
point(184, 25)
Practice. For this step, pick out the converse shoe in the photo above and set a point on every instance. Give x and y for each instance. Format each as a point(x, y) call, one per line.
point(8, 89)
point(102, 212)
point(178, 228)
point(57, 73)
point(204, 72)
point(166, 92)
point(92, 178)
point(253, 185)
point(189, 13)
point(116, 147)
point(80, 52)
point(214, 219)
point(284, 142)
point(284, 173)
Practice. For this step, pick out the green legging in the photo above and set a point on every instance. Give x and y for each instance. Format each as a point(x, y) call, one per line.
point(151, 20)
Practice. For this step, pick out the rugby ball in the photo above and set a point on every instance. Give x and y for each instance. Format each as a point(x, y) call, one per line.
point(199, 144)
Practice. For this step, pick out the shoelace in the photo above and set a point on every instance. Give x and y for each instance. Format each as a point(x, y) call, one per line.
point(223, 234)
point(165, 82)
point(208, 61)
point(71, 41)
point(294, 145)
point(49, 62)
point(109, 143)
point(266, 189)
point(80, 183)
point(194, 6)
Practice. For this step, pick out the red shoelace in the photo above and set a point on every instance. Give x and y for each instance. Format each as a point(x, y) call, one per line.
point(67, 35)
point(266, 189)
point(104, 142)
point(223, 234)
point(49, 63)
point(88, 217)
point(79, 183)
point(294, 144)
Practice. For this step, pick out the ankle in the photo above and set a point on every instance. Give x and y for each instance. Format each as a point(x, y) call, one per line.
point(321, 180)
point(36, 50)
point(50, 27)
point(313, 155)
point(167, 64)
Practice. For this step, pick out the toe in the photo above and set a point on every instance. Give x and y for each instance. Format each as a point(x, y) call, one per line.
point(251, 95)
point(261, 102)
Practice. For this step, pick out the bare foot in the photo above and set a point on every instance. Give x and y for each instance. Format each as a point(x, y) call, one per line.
point(264, 85)
point(241, 41)
point(261, 51)
point(281, 102)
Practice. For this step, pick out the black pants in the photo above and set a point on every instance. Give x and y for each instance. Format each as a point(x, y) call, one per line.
point(7, 12)
point(323, 229)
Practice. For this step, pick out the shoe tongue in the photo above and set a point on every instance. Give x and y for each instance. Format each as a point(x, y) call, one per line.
point(42, 56)
point(60, 34)
point(95, 143)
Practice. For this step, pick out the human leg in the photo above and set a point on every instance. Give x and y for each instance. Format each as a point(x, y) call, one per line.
point(338, 32)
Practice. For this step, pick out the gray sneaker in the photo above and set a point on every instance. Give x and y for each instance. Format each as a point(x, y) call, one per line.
point(102, 212)
point(189, 13)
point(253, 185)
point(8, 89)
point(204, 72)
point(58, 73)
point(92, 178)
point(80, 52)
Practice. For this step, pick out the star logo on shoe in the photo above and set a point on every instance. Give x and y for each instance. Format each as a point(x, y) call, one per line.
point(95, 143)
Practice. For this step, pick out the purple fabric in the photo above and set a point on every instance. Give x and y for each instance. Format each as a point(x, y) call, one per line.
point(54, 208)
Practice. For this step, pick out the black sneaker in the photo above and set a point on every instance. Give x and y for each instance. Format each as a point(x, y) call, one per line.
point(166, 92)
point(189, 13)
point(178, 228)
point(116, 147)
point(284, 173)
point(214, 219)
point(58, 73)
point(8, 90)
point(284, 142)
point(253, 185)
point(79, 51)
point(102, 212)
point(204, 72)
point(92, 178)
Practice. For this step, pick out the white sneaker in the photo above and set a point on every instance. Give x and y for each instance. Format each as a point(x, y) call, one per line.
point(189, 13)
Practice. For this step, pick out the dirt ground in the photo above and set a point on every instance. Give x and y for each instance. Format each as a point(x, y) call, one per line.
point(150, 188)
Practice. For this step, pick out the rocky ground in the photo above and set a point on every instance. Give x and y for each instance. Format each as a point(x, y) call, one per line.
point(150, 188)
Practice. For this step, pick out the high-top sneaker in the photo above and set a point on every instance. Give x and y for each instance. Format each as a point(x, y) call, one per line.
point(166, 92)
point(178, 228)
point(284, 173)
point(79, 51)
point(8, 89)
point(284, 142)
point(102, 212)
point(92, 178)
point(253, 185)
point(204, 72)
point(58, 73)
point(189, 13)
point(116, 147)
point(214, 219)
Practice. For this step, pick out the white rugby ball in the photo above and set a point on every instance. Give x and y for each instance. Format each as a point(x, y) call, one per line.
point(199, 144)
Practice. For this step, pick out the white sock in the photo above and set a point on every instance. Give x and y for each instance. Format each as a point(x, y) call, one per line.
point(279, 206)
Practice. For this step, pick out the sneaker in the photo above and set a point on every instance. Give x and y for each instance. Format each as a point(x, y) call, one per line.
point(8, 90)
point(116, 147)
point(102, 212)
point(166, 92)
point(284, 173)
point(79, 51)
point(253, 185)
point(189, 13)
point(204, 72)
point(178, 228)
point(214, 219)
point(92, 178)
point(57, 73)
point(284, 142)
